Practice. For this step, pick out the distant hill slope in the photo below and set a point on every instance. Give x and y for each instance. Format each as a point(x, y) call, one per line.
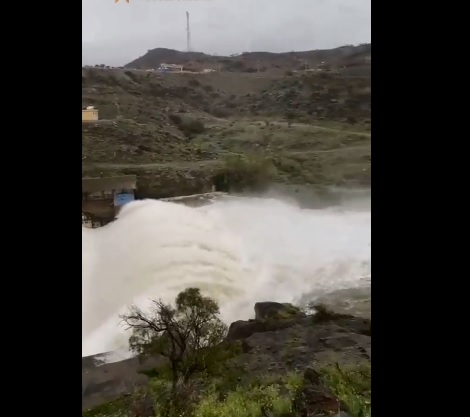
point(327, 140)
point(149, 97)
point(343, 56)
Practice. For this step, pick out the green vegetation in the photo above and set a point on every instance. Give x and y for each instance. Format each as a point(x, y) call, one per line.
point(323, 314)
point(244, 174)
point(189, 127)
point(192, 127)
point(276, 396)
point(352, 387)
point(253, 400)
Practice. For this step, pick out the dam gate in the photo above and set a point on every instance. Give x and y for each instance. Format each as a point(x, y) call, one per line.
point(102, 198)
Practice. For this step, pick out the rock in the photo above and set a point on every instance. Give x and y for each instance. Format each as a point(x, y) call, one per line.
point(246, 348)
point(269, 316)
point(244, 329)
point(312, 376)
point(341, 414)
point(271, 310)
point(315, 401)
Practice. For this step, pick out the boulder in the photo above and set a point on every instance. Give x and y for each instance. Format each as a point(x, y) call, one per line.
point(243, 329)
point(270, 310)
point(312, 376)
point(316, 401)
point(269, 317)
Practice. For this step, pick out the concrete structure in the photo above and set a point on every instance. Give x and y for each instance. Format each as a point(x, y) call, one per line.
point(89, 114)
point(102, 198)
point(196, 200)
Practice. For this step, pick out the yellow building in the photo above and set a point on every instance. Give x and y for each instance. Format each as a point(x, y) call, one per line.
point(89, 114)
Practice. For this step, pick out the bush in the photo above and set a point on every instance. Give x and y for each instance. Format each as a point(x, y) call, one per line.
point(194, 83)
point(242, 174)
point(220, 112)
point(324, 314)
point(175, 119)
point(288, 165)
point(290, 116)
point(192, 127)
point(132, 76)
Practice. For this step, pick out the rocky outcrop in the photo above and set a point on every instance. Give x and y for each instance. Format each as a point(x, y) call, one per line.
point(303, 344)
point(269, 310)
point(280, 339)
point(296, 344)
point(269, 317)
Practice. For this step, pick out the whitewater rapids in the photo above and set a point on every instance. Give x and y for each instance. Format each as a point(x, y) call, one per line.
point(238, 251)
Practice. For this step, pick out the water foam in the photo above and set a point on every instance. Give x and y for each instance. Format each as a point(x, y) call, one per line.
point(238, 251)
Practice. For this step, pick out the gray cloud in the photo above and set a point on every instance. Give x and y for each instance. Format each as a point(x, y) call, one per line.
point(116, 33)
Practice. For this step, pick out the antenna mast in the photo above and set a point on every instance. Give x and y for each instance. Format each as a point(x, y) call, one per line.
point(188, 34)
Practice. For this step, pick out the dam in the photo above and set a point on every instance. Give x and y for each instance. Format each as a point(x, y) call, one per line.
point(104, 197)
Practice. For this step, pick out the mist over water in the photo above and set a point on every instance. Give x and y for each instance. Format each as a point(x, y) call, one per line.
point(238, 250)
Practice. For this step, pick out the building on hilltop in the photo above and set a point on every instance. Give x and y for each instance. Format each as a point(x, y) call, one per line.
point(170, 68)
point(102, 198)
point(89, 114)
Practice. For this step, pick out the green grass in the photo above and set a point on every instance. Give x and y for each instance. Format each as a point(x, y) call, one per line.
point(351, 384)
point(273, 393)
point(270, 393)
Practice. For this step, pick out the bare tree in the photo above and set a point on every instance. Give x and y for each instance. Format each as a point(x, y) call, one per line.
point(184, 333)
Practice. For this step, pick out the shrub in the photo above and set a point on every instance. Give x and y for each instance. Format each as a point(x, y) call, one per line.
point(243, 174)
point(193, 82)
point(192, 127)
point(220, 112)
point(323, 314)
point(176, 119)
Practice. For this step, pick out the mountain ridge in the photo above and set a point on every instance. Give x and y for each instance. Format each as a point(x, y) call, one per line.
point(343, 56)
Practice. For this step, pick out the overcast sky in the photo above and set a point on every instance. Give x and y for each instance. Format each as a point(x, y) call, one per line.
point(117, 33)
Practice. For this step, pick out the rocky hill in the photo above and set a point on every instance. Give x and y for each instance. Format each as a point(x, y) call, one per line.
point(345, 56)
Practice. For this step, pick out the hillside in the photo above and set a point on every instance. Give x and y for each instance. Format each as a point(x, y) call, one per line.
point(313, 127)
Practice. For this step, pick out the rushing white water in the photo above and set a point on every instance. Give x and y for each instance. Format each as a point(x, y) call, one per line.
point(239, 251)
